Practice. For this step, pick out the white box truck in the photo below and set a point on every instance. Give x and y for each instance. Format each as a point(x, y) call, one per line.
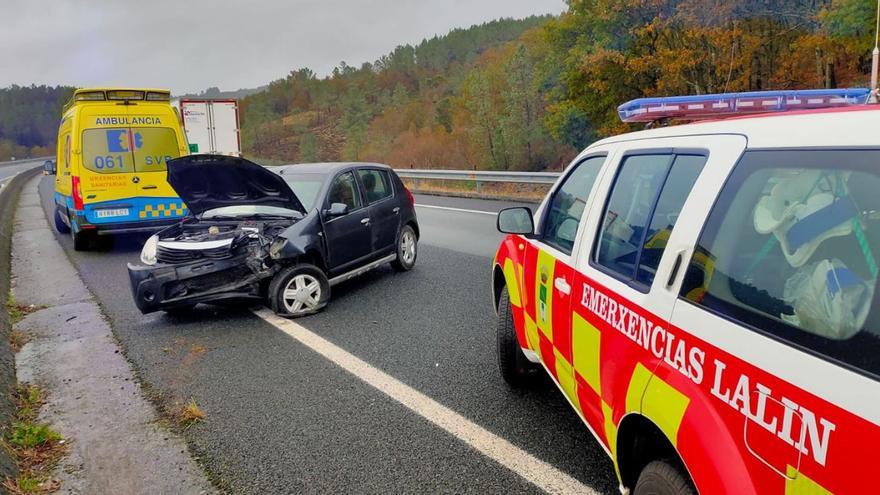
point(211, 126)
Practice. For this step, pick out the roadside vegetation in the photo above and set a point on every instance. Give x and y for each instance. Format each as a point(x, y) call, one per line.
point(35, 446)
point(527, 94)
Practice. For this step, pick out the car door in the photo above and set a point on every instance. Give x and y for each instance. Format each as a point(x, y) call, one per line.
point(384, 206)
point(548, 281)
point(348, 236)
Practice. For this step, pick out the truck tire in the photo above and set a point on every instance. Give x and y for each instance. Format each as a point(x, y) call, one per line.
point(60, 226)
point(663, 478)
point(515, 368)
point(407, 250)
point(299, 290)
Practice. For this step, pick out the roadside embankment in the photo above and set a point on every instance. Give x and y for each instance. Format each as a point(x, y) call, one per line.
point(9, 195)
point(116, 441)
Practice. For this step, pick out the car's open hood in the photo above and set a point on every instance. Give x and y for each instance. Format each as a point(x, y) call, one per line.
point(205, 182)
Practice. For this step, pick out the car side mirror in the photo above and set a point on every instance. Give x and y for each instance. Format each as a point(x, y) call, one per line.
point(516, 221)
point(336, 210)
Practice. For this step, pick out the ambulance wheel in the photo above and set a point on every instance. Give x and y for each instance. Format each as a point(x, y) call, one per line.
point(662, 478)
point(299, 290)
point(515, 368)
point(60, 226)
point(407, 250)
point(82, 240)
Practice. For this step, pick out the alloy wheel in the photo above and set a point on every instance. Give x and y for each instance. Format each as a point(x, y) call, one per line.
point(302, 294)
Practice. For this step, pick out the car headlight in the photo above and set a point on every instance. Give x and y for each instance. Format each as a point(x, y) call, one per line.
point(148, 253)
point(275, 248)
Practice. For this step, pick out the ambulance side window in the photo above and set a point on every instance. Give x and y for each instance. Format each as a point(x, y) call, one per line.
point(644, 204)
point(791, 250)
point(566, 207)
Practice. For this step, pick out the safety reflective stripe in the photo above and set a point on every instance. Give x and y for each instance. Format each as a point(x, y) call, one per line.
point(512, 288)
point(586, 345)
point(799, 484)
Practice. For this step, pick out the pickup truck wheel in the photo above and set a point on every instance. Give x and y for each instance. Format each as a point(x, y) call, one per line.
point(60, 226)
point(407, 250)
point(515, 368)
point(662, 478)
point(298, 291)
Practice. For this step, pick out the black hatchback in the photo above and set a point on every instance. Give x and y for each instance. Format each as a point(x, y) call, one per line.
point(285, 235)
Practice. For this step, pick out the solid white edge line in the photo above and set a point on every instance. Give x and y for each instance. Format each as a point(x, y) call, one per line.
point(535, 471)
point(460, 210)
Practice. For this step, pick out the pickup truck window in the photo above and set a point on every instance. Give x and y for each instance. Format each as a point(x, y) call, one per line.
point(566, 207)
point(791, 250)
point(642, 209)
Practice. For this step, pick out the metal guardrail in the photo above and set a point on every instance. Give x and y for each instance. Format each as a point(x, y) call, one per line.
point(479, 177)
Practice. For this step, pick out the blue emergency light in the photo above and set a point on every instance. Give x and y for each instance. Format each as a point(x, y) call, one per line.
point(731, 104)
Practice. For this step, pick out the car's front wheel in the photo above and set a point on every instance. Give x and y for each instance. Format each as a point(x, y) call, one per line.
point(298, 291)
point(515, 368)
point(407, 249)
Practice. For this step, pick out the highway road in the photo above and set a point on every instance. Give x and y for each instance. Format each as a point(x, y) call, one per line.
point(282, 418)
point(8, 170)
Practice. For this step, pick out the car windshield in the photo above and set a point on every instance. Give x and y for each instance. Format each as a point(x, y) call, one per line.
point(305, 186)
point(250, 211)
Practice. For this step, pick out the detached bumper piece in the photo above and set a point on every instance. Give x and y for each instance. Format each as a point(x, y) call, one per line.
point(168, 286)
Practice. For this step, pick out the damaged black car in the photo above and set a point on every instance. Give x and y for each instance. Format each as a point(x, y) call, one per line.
point(285, 236)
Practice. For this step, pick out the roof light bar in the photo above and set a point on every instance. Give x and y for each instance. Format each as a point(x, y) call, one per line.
point(732, 104)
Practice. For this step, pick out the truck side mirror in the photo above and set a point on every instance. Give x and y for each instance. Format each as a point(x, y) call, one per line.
point(516, 221)
point(336, 210)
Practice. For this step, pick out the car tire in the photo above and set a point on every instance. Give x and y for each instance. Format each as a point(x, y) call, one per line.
point(60, 226)
point(407, 249)
point(515, 368)
point(663, 478)
point(299, 290)
point(180, 311)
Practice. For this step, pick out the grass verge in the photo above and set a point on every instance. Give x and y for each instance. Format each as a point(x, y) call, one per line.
point(35, 446)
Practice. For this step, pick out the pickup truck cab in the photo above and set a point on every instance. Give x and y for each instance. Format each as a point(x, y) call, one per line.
point(704, 295)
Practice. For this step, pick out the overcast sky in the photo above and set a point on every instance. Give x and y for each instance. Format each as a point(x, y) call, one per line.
point(219, 43)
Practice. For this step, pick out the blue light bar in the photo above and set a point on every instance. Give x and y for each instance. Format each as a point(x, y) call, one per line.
point(731, 104)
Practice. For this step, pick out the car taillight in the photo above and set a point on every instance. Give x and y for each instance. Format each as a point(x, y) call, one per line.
point(409, 194)
point(77, 194)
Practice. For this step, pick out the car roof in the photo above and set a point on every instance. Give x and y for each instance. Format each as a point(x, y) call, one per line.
point(839, 127)
point(326, 168)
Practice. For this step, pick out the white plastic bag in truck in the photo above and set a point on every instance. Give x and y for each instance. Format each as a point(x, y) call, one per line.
point(211, 126)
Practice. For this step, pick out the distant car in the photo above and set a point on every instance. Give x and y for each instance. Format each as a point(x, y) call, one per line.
point(49, 167)
point(285, 236)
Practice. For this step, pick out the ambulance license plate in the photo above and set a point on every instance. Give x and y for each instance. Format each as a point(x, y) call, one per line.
point(115, 212)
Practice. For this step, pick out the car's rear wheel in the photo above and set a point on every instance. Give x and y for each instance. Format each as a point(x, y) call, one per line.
point(407, 249)
point(515, 368)
point(663, 478)
point(60, 226)
point(298, 291)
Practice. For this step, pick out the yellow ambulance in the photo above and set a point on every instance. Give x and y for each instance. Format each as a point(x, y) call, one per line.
point(113, 148)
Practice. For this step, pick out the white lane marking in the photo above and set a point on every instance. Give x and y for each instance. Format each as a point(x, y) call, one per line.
point(527, 466)
point(461, 210)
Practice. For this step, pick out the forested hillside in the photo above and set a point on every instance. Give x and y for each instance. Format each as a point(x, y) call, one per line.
point(526, 94)
point(29, 119)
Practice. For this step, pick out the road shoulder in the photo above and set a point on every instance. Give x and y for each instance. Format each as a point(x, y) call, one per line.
point(117, 442)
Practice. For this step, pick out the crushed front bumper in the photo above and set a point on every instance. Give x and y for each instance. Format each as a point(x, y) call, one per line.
point(163, 286)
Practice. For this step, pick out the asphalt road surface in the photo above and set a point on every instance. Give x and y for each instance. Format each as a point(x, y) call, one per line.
point(8, 170)
point(282, 418)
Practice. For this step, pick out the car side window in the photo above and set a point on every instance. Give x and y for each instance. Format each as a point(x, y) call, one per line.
point(641, 212)
point(790, 249)
point(566, 207)
point(377, 185)
point(344, 190)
